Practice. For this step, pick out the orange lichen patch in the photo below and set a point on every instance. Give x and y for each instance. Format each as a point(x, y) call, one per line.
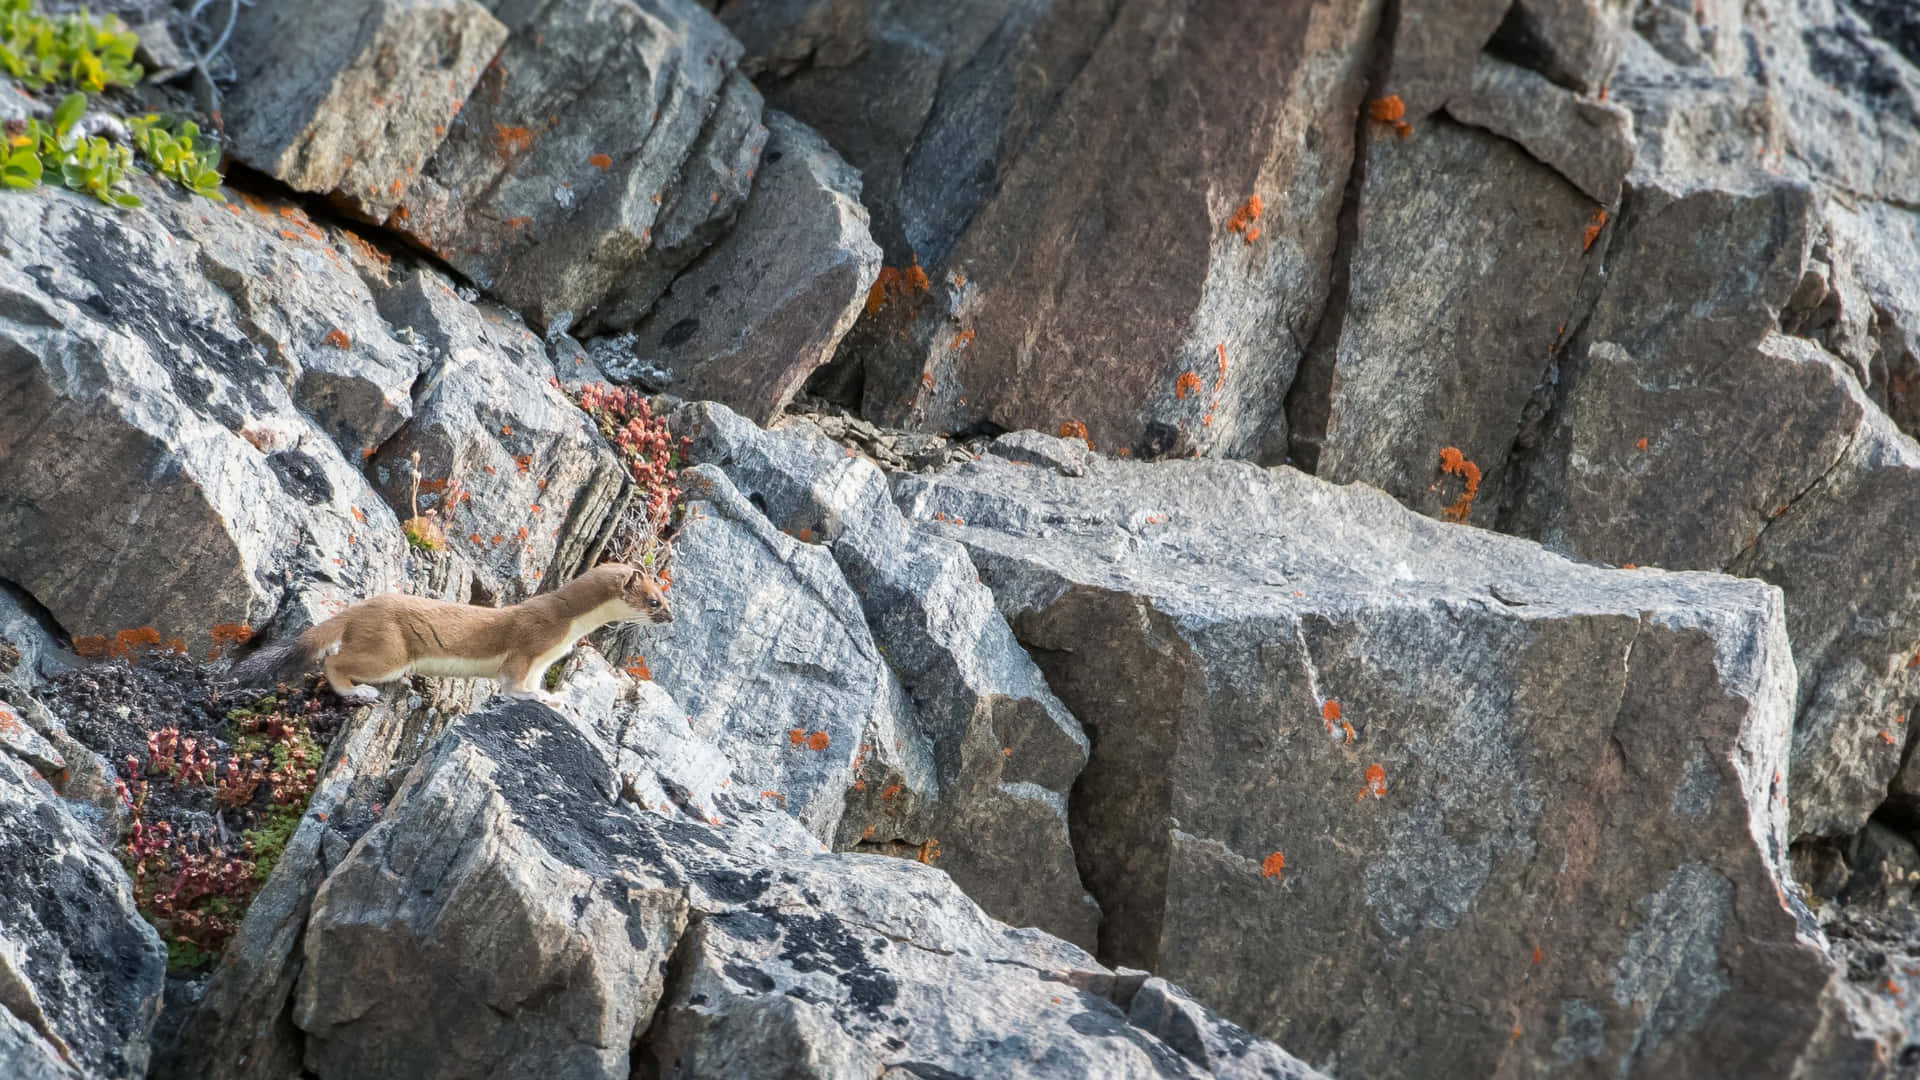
point(1376, 784)
point(534, 507)
point(519, 222)
point(1594, 224)
point(1272, 865)
point(227, 634)
point(1642, 444)
point(1253, 233)
point(796, 736)
point(177, 646)
point(1628, 566)
point(434, 485)
point(929, 851)
point(1187, 383)
point(603, 163)
point(497, 538)
point(817, 741)
point(960, 340)
point(474, 539)
point(895, 283)
point(523, 532)
point(1347, 730)
point(890, 792)
point(1330, 711)
point(1893, 987)
point(367, 251)
point(637, 667)
point(359, 515)
point(1536, 954)
point(1887, 737)
point(1391, 111)
point(90, 646)
point(783, 800)
point(338, 339)
point(1074, 429)
point(511, 140)
point(523, 462)
point(1006, 751)
point(1244, 217)
point(289, 234)
point(254, 203)
point(1454, 463)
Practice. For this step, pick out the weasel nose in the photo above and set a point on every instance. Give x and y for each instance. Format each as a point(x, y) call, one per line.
point(663, 615)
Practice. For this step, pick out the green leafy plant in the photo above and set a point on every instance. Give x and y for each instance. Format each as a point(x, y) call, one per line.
point(86, 164)
point(177, 150)
point(73, 49)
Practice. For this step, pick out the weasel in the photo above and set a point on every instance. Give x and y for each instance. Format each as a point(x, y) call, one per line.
point(389, 637)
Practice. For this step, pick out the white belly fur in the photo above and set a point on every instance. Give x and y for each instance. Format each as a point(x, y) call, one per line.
point(458, 667)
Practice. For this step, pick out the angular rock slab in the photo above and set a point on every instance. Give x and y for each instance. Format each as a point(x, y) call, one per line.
point(1466, 267)
point(550, 181)
point(1789, 471)
point(520, 481)
point(512, 914)
point(127, 376)
point(80, 970)
point(1540, 806)
point(767, 305)
point(352, 97)
point(1130, 140)
point(299, 293)
point(769, 653)
point(994, 754)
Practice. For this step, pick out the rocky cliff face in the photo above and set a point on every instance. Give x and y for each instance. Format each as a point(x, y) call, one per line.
point(1319, 537)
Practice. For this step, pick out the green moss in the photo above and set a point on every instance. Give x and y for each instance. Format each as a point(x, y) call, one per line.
point(552, 679)
point(268, 840)
point(185, 956)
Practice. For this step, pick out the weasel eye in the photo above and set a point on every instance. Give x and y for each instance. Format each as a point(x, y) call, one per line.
point(655, 601)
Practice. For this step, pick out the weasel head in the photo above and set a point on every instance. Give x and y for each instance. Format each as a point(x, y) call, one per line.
point(639, 592)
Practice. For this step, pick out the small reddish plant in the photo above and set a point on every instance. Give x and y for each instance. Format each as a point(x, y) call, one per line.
point(652, 457)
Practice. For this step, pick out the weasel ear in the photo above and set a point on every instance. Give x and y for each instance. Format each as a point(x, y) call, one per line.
point(634, 579)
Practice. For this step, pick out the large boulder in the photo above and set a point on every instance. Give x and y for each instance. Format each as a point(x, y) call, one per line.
point(769, 653)
point(513, 914)
point(988, 755)
point(550, 181)
point(517, 478)
point(1089, 216)
point(1343, 753)
point(1440, 342)
point(130, 374)
point(768, 304)
point(351, 98)
point(80, 971)
point(1679, 381)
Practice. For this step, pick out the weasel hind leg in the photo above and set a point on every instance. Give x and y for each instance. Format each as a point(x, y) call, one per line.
point(344, 685)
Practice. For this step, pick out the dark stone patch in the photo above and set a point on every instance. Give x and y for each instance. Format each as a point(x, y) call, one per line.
point(301, 477)
point(753, 979)
point(680, 333)
point(821, 943)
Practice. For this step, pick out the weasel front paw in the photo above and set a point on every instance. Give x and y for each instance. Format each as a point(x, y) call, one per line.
point(362, 692)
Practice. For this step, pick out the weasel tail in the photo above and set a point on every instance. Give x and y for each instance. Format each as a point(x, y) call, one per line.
point(294, 656)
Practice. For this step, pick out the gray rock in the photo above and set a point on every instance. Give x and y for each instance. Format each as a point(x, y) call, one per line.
point(1044, 153)
point(1437, 344)
point(1678, 375)
point(28, 652)
point(300, 297)
point(1589, 142)
point(768, 653)
point(552, 178)
point(351, 98)
point(1003, 751)
point(699, 210)
point(523, 486)
point(79, 968)
point(763, 956)
point(768, 305)
point(1218, 628)
point(28, 1056)
point(1436, 47)
point(1573, 42)
point(209, 498)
